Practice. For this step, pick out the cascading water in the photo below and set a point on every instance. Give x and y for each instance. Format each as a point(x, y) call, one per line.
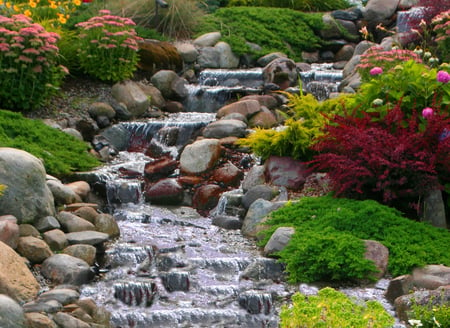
point(321, 80)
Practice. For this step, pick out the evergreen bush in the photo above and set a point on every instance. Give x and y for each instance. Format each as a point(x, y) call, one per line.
point(60, 152)
point(301, 5)
point(327, 243)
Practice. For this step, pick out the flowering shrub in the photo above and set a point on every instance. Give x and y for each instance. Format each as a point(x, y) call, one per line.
point(377, 58)
point(108, 47)
point(29, 68)
point(410, 84)
point(54, 12)
point(441, 28)
point(394, 160)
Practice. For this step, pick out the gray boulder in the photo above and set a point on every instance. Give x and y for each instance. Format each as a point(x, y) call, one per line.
point(256, 214)
point(208, 39)
point(11, 314)
point(87, 237)
point(191, 163)
point(377, 11)
point(56, 239)
point(262, 191)
point(27, 196)
point(225, 128)
point(73, 223)
point(62, 194)
point(187, 51)
point(107, 224)
point(65, 320)
point(47, 223)
point(66, 269)
point(209, 57)
point(227, 58)
point(62, 295)
point(279, 240)
point(84, 252)
point(130, 94)
point(255, 176)
point(170, 84)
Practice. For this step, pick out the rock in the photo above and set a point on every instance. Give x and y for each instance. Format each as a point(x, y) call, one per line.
point(61, 193)
point(431, 276)
point(279, 240)
point(286, 172)
point(33, 249)
point(280, 65)
point(65, 320)
point(256, 214)
point(86, 253)
point(227, 59)
point(266, 59)
point(129, 93)
point(51, 306)
point(66, 269)
point(86, 212)
point(225, 128)
point(155, 55)
point(116, 136)
point(398, 286)
point(98, 109)
point(176, 281)
point(159, 168)
point(62, 295)
point(16, 280)
point(345, 53)
point(26, 230)
point(206, 197)
point(55, 239)
point(170, 84)
point(209, 57)
point(351, 66)
point(81, 188)
point(9, 230)
point(268, 101)
point(72, 223)
point(165, 192)
point(332, 29)
point(434, 209)
point(264, 119)
point(27, 197)
point(256, 302)
point(11, 314)
point(255, 176)
point(107, 224)
point(191, 163)
point(438, 297)
point(208, 39)
point(379, 255)
point(39, 320)
point(228, 174)
point(260, 191)
point(47, 223)
point(153, 93)
point(379, 11)
point(88, 128)
point(262, 269)
point(187, 51)
point(87, 237)
point(227, 222)
point(74, 133)
point(245, 107)
point(173, 107)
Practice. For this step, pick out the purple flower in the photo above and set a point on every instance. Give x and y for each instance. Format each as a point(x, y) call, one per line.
point(427, 112)
point(443, 76)
point(376, 71)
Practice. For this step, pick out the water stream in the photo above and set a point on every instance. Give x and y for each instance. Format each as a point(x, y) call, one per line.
point(171, 267)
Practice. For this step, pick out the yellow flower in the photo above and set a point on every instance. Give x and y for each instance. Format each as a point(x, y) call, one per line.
point(1, 2)
point(16, 8)
point(8, 5)
point(27, 13)
point(32, 4)
point(62, 20)
point(53, 5)
point(77, 2)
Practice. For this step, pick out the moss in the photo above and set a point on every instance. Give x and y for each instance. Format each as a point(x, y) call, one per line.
point(327, 234)
point(60, 152)
point(274, 29)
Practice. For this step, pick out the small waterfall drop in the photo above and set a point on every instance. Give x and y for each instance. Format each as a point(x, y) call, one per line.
point(321, 80)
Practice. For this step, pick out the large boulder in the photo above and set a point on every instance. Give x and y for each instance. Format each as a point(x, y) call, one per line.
point(281, 65)
point(256, 214)
point(170, 84)
point(227, 59)
point(34, 249)
point(11, 314)
point(16, 280)
point(66, 269)
point(165, 192)
point(208, 39)
point(200, 156)
point(379, 11)
point(27, 196)
point(130, 94)
point(225, 128)
point(286, 172)
point(246, 107)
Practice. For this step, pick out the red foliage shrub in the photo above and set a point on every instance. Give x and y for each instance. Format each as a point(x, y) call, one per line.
point(394, 160)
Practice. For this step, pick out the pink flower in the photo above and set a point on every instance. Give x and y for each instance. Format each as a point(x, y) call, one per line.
point(31, 51)
point(4, 47)
point(427, 112)
point(104, 12)
point(443, 76)
point(37, 69)
point(376, 71)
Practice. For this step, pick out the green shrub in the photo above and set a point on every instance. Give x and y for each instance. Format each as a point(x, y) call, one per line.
point(301, 5)
point(330, 308)
point(61, 153)
point(29, 68)
point(303, 126)
point(339, 222)
point(274, 29)
point(430, 315)
point(108, 47)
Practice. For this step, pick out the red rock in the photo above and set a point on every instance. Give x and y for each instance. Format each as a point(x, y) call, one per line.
point(228, 174)
point(206, 197)
point(160, 168)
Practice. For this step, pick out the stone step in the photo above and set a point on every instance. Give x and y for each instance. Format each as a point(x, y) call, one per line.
point(193, 318)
